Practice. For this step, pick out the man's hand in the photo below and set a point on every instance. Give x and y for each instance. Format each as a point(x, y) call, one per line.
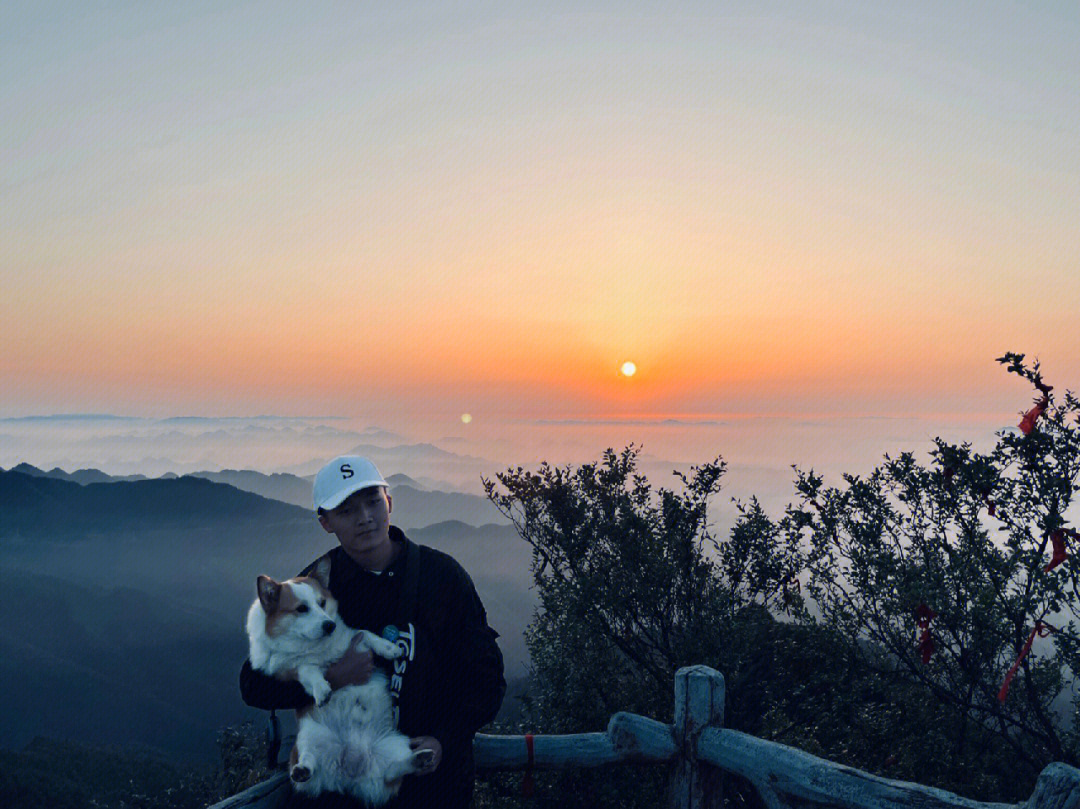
point(354, 668)
point(427, 743)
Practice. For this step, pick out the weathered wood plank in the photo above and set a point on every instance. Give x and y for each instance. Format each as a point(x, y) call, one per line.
point(550, 752)
point(789, 777)
point(629, 738)
point(699, 704)
point(637, 738)
point(268, 794)
point(1058, 787)
point(699, 748)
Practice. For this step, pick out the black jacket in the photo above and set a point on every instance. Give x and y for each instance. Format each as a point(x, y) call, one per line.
point(452, 685)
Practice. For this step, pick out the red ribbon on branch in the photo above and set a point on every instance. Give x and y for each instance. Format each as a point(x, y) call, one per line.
point(923, 616)
point(1027, 423)
point(527, 785)
point(1041, 629)
point(1057, 539)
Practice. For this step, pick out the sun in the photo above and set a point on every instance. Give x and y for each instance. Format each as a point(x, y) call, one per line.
point(628, 369)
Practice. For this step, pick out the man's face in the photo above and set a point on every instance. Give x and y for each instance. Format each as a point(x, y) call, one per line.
point(361, 524)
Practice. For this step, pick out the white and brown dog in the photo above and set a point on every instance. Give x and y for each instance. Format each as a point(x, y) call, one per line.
point(345, 742)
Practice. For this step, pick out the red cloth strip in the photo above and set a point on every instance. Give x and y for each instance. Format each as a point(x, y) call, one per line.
point(1057, 539)
point(1027, 423)
point(1042, 630)
point(923, 616)
point(527, 785)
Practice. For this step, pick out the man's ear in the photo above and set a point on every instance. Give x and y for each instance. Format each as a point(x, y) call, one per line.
point(269, 593)
point(321, 572)
point(389, 504)
point(325, 524)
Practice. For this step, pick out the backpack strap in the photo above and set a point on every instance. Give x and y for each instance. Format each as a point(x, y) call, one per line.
point(407, 603)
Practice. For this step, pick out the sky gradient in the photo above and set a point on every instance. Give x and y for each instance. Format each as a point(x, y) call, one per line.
point(402, 210)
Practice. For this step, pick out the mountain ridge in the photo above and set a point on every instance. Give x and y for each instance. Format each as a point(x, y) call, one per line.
point(33, 506)
point(415, 505)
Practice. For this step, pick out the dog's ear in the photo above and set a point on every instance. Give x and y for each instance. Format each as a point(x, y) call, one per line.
point(269, 593)
point(321, 572)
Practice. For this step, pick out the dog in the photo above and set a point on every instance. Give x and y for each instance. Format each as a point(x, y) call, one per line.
point(345, 742)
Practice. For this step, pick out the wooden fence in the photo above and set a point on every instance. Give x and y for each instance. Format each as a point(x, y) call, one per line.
point(699, 749)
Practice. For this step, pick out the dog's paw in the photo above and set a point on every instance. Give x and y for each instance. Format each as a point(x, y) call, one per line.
point(321, 692)
point(300, 774)
point(384, 648)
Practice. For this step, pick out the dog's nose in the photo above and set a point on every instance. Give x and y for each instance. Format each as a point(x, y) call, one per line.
point(328, 627)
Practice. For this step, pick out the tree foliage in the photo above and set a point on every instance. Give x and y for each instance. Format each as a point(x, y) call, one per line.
point(947, 560)
point(632, 585)
point(632, 576)
point(70, 775)
point(966, 540)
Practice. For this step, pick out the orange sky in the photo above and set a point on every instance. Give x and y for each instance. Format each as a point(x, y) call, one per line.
point(393, 212)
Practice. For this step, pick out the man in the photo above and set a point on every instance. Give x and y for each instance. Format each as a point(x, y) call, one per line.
point(450, 681)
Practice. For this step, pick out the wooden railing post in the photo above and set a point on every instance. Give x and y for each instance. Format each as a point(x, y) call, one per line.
point(699, 703)
point(699, 749)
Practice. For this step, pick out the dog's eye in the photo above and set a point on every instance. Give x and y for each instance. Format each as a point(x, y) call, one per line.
point(302, 608)
point(322, 602)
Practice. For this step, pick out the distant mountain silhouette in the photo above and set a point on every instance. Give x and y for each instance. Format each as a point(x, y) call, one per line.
point(81, 476)
point(124, 621)
point(414, 460)
point(379, 434)
point(27, 469)
point(278, 486)
point(85, 476)
point(417, 508)
point(46, 507)
point(414, 505)
point(405, 480)
point(409, 452)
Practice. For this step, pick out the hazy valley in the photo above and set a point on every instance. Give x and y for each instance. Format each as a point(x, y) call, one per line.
point(124, 622)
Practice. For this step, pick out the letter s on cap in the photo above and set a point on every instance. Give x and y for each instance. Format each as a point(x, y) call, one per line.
point(346, 471)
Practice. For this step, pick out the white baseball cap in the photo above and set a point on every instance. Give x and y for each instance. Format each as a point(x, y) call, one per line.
point(343, 476)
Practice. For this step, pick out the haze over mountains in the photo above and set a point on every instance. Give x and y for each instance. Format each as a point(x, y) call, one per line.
point(104, 517)
point(125, 621)
point(123, 446)
point(448, 458)
point(414, 504)
point(80, 476)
